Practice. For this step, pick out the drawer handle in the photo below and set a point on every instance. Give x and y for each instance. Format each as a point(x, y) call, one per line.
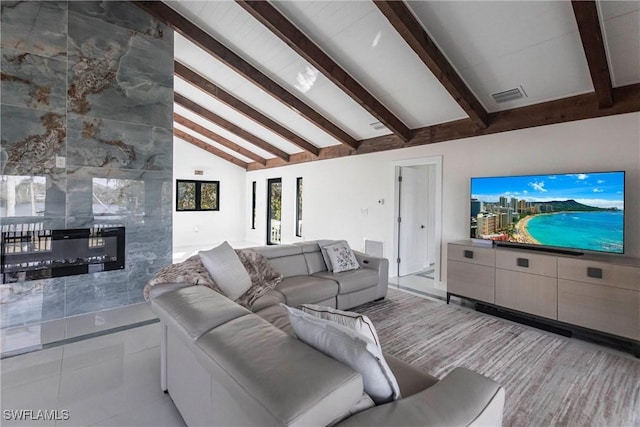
point(522, 262)
point(594, 272)
point(468, 254)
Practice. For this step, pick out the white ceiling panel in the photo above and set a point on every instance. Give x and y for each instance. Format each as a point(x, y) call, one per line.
point(558, 60)
point(198, 60)
point(220, 74)
point(238, 119)
point(221, 131)
point(372, 52)
point(242, 33)
point(497, 46)
point(212, 143)
point(475, 32)
point(619, 19)
point(329, 100)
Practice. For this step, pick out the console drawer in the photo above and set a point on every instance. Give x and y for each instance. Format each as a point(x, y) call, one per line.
point(472, 254)
point(529, 293)
point(603, 308)
point(599, 273)
point(525, 262)
point(470, 280)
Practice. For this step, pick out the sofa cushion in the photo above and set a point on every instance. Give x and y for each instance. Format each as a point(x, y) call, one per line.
point(351, 348)
point(279, 379)
point(195, 309)
point(356, 321)
point(273, 297)
point(315, 262)
point(226, 269)
point(342, 257)
point(354, 280)
point(278, 317)
point(306, 289)
point(410, 379)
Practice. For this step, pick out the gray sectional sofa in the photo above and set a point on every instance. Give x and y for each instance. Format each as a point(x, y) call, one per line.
point(226, 365)
point(307, 280)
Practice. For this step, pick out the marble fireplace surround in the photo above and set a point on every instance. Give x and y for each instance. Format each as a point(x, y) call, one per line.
point(86, 105)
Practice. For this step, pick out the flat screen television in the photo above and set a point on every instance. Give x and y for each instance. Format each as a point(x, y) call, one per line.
point(565, 212)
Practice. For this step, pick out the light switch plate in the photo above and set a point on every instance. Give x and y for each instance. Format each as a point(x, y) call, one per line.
point(61, 162)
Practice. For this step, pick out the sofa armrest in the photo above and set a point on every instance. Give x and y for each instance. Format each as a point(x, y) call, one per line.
point(381, 265)
point(462, 398)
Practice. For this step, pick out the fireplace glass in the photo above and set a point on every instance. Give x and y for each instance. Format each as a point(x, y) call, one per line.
point(43, 254)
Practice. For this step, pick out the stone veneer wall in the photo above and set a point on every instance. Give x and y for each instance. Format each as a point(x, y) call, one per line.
point(91, 82)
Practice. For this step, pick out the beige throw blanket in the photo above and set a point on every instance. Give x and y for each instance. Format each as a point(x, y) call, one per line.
point(191, 272)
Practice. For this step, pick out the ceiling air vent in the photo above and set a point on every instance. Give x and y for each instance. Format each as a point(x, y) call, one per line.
point(377, 125)
point(509, 95)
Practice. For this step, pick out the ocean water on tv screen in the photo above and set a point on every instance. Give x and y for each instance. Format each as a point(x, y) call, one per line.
point(601, 231)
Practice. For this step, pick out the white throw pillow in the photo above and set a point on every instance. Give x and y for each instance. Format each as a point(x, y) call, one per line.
point(356, 321)
point(351, 348)
point(226, 270)
point(342, 257)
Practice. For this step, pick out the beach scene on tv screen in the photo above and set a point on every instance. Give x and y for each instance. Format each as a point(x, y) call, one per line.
point(575, 211)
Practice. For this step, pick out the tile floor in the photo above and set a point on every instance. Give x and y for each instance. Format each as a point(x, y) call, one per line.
point(110, 380)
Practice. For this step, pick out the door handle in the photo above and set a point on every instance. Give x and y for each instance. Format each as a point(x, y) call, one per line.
point(422, 226)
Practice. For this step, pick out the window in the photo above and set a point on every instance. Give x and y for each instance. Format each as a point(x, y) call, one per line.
point(274, 211)
point(253, 205)
point(299, 207)
point(197, 195)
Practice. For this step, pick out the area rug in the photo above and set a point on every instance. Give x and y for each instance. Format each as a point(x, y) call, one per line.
point(550, 380)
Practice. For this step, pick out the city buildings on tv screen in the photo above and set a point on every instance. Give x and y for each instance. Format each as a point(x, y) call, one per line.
point(574, 211)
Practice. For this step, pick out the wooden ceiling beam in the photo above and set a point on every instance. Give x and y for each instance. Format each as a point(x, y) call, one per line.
point(177, 118)
point(226, 98)
point(225, 124)
point(586, 14)
point(416, 37)
point(202, 39)
point(207, 147)
point(581, 107)
point(279, 25)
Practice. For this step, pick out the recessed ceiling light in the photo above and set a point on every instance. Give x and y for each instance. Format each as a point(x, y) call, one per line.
point(509, 95)
point(377, 125)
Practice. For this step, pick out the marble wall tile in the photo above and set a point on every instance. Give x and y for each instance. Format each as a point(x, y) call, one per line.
point(98, 44)
point(38, 27)
point(39, 195)
point(33, 137)
point(123, 14)
point(96, 92)
point(118, 192)
point(32, 302)
point(33, 81)
point(53, 302)
point(97, 142)
point(95, 292)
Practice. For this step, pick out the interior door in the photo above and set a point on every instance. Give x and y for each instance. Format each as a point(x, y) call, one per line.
point(413, 236)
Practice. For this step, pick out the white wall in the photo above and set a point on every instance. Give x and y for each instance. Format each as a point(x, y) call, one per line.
point(213, 227)
point(340, 195)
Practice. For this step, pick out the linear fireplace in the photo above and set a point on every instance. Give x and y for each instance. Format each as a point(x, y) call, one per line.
point(43, 254)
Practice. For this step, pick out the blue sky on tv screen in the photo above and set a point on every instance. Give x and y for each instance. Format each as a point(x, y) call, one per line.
point(601, 189)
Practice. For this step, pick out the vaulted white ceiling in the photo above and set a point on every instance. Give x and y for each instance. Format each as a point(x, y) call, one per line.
point(493, 46)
